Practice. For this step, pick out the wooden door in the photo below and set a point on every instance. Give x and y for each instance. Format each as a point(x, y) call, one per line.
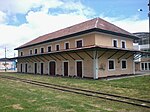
point(65, 68)
point(21, 68)
point(35, 68)
point(42, 67)
point(26, 69)
point(79, 68)
point(52, 68)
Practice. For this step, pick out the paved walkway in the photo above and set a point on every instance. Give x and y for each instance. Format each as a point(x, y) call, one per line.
point(107, 78)
point(134, 75)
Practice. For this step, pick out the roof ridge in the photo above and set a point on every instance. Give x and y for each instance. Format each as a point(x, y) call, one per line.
point(96, 22)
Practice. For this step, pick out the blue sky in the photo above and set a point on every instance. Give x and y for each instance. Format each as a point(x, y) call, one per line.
point(24, 20)
point(124, 8)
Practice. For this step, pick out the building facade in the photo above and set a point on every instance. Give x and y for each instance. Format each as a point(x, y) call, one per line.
point(142, 63)
point(93, 49)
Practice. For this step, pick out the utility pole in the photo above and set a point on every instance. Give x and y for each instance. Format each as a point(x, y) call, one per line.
point(14, 63)
point(5, 58)
point(149, 22)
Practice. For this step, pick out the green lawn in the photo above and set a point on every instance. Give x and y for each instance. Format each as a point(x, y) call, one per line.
point(16, 96)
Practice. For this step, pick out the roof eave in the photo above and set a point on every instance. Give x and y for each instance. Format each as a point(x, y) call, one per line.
point(85, 48)
point(116, 33)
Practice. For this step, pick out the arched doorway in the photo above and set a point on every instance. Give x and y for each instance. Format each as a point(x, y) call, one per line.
point(52, 68)
point(35, 68)
point(42, 68)
point(79, 70)
point(26, 68)
point(65, 68)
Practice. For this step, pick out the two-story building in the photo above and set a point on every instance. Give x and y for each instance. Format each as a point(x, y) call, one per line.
point(94, 49)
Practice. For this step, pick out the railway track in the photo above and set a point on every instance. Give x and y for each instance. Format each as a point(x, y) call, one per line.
point(96, 94)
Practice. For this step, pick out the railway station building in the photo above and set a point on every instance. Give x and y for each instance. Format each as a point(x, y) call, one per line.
point(92, 49)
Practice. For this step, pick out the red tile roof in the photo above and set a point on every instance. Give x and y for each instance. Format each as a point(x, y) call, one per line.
point(87, 25)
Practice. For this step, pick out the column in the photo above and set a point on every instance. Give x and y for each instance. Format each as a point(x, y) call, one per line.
point(95, 64)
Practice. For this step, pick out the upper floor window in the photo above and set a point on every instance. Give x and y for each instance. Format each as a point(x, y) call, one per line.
point(123, 44)
point(57, 47)
point(67, 45)
point(115, 43)
point(35, 51)
point(49, 49)
point(111, 64)
point(79, 43)
point(21, 53)
point(42, 50)
point(123, 64)
point(143, 40)
point(30, 52)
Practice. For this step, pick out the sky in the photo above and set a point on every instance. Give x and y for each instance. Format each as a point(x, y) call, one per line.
point(24, 20)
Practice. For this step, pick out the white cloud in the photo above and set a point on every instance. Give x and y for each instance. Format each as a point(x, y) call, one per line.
point(23, 6)
point(78, 7)
point(132, 24)
point(48, 23)
point(3, 17)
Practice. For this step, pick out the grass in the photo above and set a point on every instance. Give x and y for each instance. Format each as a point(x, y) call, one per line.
point(16, 96)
